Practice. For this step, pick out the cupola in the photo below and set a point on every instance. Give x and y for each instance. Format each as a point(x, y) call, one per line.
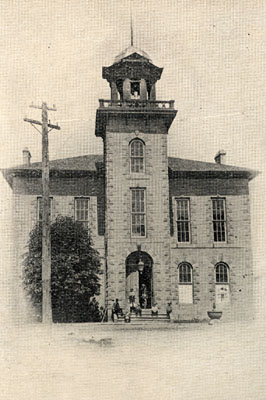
point(132, 104)
point(132, 76)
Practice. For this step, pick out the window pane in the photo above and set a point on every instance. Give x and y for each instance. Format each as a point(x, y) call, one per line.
point(138, 212)
point(82, 211)
point(219, 222)
point(185, 273)
point(183, 220)
point(221, 271)
point(137, 156)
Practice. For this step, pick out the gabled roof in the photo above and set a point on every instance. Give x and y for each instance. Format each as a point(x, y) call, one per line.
point(94, 162)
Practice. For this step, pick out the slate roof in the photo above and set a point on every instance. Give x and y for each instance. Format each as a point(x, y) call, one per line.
point(93, 162)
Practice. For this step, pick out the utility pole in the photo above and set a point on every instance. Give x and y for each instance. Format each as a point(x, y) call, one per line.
point(46, 237)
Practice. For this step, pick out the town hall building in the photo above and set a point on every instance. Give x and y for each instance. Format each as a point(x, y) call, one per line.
point(168, 229)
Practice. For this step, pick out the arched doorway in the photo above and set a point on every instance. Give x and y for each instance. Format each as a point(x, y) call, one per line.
point(139, 278)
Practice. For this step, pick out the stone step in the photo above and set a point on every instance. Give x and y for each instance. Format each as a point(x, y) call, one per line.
point(149, 317)
point(148, 311)
point(143, 321)
point(146, 318)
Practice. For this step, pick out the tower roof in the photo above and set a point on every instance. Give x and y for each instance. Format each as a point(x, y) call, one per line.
point(129, 51)
point(132, 63)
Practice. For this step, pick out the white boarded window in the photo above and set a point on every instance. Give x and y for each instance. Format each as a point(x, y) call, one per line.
point(183, 220)
point(222, 289)
point(40, 208)
point(219, 220)
point(138, 212)
point(185, 287)
point(82, 210)
point(137, 156)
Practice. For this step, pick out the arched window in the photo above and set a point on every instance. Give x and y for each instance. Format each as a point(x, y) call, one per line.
point(185, 287)
point(222, 290)
point(137, 156)
point(221, 273)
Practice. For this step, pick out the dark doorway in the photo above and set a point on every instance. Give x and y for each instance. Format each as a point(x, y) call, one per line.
point(139, 279)
point(145, 287)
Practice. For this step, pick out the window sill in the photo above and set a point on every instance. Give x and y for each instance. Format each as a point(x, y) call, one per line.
point(221, 244)
point(137, 176)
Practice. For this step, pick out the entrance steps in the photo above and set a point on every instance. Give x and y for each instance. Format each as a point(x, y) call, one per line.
point(146, 318)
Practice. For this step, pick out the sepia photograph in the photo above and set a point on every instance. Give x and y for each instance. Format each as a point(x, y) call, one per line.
point(132, 190)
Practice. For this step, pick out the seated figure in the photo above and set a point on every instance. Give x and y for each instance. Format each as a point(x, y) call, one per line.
point(138, 310)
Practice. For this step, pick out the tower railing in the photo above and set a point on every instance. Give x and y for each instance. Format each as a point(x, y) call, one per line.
point(136, 103)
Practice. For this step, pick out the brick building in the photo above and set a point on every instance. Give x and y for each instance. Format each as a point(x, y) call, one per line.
point(170, 229)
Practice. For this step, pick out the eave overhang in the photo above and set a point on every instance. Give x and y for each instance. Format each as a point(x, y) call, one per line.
point(105, 115)
point(240, 174)
point(134, 69)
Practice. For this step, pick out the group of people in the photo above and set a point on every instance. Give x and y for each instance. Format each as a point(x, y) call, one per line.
point(155, 310)
point(136, 307)
point(143, 298)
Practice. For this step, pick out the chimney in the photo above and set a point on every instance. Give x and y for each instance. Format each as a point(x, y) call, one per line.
point(26, 156)
point(220, 157)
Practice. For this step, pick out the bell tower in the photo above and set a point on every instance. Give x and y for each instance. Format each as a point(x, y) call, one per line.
point(134, 125)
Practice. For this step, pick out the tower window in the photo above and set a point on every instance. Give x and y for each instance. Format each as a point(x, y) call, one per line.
point(222, 291)
point(82, 211)
point(183, 220)
point(138, 213)
point(219, 220)
point(185, 283)
point(137, 156)
point(135, 90)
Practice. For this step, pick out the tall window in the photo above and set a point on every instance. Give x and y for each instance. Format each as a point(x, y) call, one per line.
point(138, 212)
point(40, 208)
point(219, 220)
point(185, 283)
point(137, 156)
point(82, 210)
point(222, 283)
point(183, 220)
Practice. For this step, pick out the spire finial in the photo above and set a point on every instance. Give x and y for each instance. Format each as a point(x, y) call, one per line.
point(131, 27)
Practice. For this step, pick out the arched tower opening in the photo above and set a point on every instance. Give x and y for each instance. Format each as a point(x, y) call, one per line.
point(139, 278)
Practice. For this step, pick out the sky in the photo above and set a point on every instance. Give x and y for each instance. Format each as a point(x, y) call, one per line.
point(214, 59)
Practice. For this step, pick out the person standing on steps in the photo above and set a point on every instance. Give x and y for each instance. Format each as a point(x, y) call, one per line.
point(132, 300)
point(143, 295)
point(169, 310)
point(116, 310)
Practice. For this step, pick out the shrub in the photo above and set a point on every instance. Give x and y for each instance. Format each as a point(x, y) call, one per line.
point(75, 269)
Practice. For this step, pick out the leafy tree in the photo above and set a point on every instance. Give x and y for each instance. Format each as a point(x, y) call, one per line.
point(75, 269)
